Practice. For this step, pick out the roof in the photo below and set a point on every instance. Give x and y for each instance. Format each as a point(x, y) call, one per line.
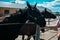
point(16, 5)
point(12, 5)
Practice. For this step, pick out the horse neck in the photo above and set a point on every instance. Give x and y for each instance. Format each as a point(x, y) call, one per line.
point(22, 18)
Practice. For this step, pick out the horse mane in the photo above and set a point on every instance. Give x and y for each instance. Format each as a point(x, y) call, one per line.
point(48, 13)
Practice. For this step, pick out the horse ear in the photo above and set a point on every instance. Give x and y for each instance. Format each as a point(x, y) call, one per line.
point(35, 5)
point(45, 9)
point(28, 5)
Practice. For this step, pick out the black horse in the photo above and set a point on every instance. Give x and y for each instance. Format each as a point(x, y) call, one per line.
point(11, 31)
point(34, 13)
point(48, 13)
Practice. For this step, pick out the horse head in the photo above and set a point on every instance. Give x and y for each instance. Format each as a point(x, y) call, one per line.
point(35, 15)
point(48, 14)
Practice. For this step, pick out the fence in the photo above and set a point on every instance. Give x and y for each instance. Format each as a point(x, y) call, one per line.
point(37, 29)
point(53, 36)
point(49, 20)
point(14, 24)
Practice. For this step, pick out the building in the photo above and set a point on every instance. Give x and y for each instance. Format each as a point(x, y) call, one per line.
point(9, 8)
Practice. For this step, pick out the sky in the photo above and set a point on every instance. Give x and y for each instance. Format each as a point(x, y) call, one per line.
point(53, 5)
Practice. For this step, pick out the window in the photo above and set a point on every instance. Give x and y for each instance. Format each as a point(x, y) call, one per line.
point(6, 12)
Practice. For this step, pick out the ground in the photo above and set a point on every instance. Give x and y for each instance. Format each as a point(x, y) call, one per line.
point(48, 35)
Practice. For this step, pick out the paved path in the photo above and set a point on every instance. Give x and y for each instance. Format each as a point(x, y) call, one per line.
point(47, 35)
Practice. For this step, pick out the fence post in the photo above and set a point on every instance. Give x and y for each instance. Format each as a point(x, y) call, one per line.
point(37, 35)
point(48, 21)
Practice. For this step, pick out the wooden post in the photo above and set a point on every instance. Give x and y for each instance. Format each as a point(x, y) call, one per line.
point(37, 35)
point(48, 21)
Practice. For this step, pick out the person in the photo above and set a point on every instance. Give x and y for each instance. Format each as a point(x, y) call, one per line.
point(58, 24)
point(58, 36)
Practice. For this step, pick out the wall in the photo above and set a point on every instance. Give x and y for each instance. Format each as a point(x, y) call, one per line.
point(11, 10)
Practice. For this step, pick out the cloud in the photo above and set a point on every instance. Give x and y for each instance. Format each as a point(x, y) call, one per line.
point(57, 5)
point(19, 1)
point(47, 4)
point(51, 5)
point(55, 9)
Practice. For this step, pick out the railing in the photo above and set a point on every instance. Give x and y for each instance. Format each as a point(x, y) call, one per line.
point(49, 21)
point(37, 29)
